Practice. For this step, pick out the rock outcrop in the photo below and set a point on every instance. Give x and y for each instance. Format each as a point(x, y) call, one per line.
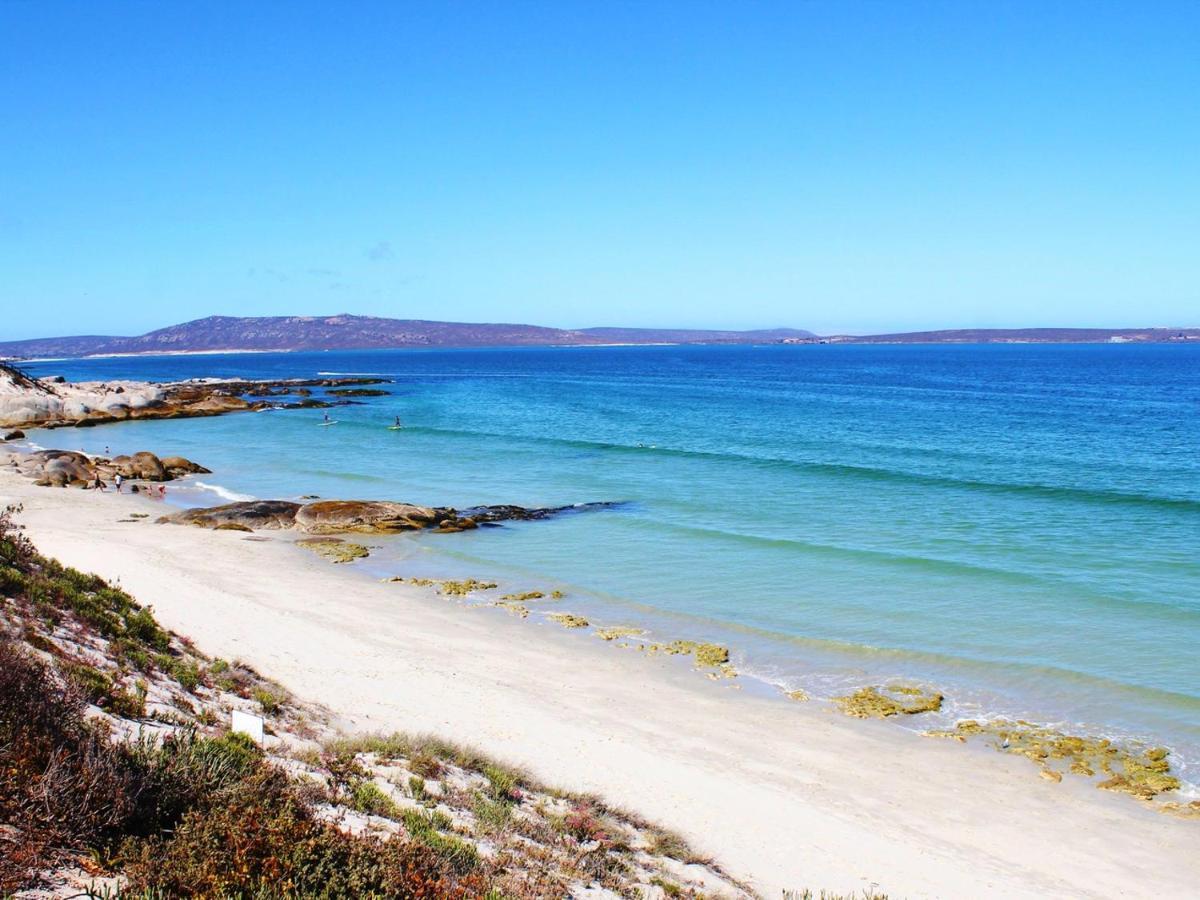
point(270, 514)
point(55, 403)
point(178, 466)
point(366, 516)
point(63, 468)
point(326, 517)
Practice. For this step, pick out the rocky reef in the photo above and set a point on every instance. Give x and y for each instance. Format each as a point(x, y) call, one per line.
point(1142, 772)
point(569, 620)
point(892, 700)
point(334, 549)
point(54, 403)
point(361, 516)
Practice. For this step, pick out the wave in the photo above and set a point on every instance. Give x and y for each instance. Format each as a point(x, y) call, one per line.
point(346, 475)
point(419, 375)
point(927, 564)
point(222, 492)
point(865, 473)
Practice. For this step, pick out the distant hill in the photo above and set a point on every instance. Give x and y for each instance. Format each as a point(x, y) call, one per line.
point(1024, 336)
point(346, 332)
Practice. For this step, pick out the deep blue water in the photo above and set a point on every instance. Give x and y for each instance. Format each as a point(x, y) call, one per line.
point(1018, 524)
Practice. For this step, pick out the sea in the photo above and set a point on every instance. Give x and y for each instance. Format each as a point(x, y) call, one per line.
point(1016, 525)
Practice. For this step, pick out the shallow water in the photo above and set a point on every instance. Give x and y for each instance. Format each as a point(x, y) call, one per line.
point(1017, 524)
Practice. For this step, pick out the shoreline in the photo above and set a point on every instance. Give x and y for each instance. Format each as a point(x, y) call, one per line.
point(749, 779)
point(1051, 732)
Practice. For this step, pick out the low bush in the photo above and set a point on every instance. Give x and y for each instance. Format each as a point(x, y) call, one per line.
point(368, 797)
point(62, 785)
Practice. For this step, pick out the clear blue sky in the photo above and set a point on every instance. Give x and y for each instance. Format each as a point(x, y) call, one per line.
point(840, 166)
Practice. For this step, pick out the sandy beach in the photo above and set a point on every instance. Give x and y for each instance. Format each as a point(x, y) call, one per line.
point(784, 795)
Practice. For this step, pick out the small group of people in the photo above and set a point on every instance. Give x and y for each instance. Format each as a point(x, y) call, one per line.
point(154, 491)
point(99, 484)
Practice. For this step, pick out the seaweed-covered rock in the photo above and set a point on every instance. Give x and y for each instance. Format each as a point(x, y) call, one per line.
point(893, 700)
point(617, 632)
point(1142, 773)
point(569, 620)
point(364, 516)
point(253, 514)
point(334, 549)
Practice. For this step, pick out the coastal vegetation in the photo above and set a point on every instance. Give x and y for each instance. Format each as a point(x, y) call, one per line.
point(118, 776)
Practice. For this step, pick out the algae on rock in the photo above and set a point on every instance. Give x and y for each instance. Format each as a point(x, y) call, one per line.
point(1141, 773)
point(335, 549)
point(893, 700)
point(618, 631)
point(568, 620)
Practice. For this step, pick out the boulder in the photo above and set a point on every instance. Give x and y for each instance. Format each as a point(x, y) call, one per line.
point(58, 466)
point(54, 479)
point(178, 466)
point(14, 435)
point(143, 465)
point(366, 516)
point(250, 513)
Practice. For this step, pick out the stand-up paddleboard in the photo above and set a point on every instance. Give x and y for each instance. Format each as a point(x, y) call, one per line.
point(395, 427)
point(324, 424)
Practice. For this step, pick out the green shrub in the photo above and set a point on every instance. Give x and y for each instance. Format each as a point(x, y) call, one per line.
point(503, 784)
point(262, 841)
point(426, 765)
point(93, 684)
point(270, 701)
point(368, 797)
point(427, 827)
point(183, 772)
point(668, 843)
point(128, 704)
point(492, 815)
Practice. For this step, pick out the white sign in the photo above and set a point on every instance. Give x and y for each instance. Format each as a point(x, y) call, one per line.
point(246, 723)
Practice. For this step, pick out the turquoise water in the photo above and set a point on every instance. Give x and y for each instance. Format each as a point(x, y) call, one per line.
point(1017, 524)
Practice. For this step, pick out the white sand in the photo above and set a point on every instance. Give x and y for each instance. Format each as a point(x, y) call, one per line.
point(784, 794)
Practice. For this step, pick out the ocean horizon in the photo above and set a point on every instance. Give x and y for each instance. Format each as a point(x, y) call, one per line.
point(1014, 525)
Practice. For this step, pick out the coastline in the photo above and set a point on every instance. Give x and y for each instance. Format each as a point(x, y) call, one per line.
point(787, 795)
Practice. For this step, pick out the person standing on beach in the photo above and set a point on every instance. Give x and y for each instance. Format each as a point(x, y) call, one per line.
point(99, 484)
point(118, 480)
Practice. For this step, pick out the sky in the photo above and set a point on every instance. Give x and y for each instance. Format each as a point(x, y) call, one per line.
point(847, 167)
